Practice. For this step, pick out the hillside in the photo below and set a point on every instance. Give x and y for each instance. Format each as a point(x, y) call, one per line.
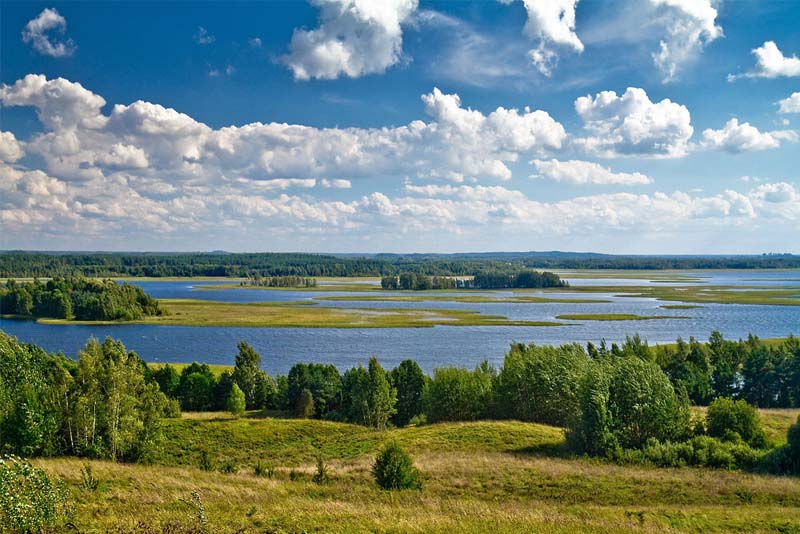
point(506, 477)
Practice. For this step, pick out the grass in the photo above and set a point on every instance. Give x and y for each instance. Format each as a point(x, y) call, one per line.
point(680, 306)
point(775, 296)
point(216, 369)
point(613, 317)
point(189, 312)
point(485, 476)
point(459, 298)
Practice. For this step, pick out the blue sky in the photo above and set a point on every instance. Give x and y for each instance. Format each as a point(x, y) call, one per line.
point(350, 125)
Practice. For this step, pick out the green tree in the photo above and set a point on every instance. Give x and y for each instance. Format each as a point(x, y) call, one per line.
point(409, 381)
point(394, 470)
point(246, 373)
point(114, 412)
point(540, 383)
point(457, 394)
point(236, 401)
point(730, 419)
point(305, 404)
point(371, 398)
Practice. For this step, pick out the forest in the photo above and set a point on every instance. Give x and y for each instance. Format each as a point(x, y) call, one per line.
point(32, 264)
point(256, 280)
point(483, 280)
point(80, 299)
point(627, 403)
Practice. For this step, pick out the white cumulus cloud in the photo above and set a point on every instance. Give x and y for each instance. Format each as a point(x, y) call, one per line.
point(633, 125)
point(10, 149)
point(690, 25)
point(738, 137)
point(552, 23)
point(771, 63)
point(354, 38)
point(41, 32)
point(586, 172)
point(790, 104)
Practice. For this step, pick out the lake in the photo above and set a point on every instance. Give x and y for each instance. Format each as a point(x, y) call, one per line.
point(430, 347)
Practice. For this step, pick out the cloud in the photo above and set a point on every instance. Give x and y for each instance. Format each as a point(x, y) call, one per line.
point(632, 125)
point(254, 42)
point(735, 137)
point(771, 63)
point(227, 71)
point(39, 32)
point(552, 23)
point(354, 38)
point(10, 149)
point(790, 104)
point(586, 172)
point(690, 25)
point(338, 183)
point(151, 141)
point(202, 37)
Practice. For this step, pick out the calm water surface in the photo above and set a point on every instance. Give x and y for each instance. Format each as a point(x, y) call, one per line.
point(431, 347)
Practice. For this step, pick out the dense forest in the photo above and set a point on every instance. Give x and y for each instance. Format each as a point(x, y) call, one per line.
point(32, 264)
point(256, 280)
point(76, 298)
point(628, 402)
point(483, 280)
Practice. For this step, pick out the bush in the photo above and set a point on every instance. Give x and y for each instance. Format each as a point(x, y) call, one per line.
point(229, 467)
point(261, 470)
point(394, 470)
point(305, 405)
point(321, 476)
point(30, 501)
point(728, 419)
point(236, 401)
point(702, 451)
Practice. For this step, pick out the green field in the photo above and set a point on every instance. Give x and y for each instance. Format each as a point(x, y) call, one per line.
point(478, 477)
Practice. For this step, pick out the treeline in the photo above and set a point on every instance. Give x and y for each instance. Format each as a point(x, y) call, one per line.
point(32, 264)
point(257, 280)
point(617, 402)
point(77, 298)
point(102, 406)
point(486, 280)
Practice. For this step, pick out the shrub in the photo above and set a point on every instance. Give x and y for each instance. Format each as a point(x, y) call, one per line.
point(261, 470)
point(172, 409)
point(394, 470)
point(321, 476)
point(229, 467)
point(727, 419)
point(30, 501)
point(305, 405)
point(205, 461)
point(89, 481)
point(702, 451)
point(236, 401)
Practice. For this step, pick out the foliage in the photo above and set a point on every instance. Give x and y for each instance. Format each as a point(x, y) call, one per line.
point(457, 394)
point(368, 397)
point(258, 387)
point(79, 298)
point(323, 381)
point(540, 383)
point(394, 470)
point(236, 401)
point(31, 501)
point(305, 404)
point(735, 420)
point(279, 281)
point(322, 474)
point(624, 402)
point(409, 381)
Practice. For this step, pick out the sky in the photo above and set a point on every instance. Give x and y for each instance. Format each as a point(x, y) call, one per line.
point(616, 126)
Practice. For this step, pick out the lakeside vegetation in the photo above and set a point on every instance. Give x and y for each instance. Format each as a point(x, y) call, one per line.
point(614, 317)
point(483, 280)
point(523, 434)
point(19, 264)
point(78, 299)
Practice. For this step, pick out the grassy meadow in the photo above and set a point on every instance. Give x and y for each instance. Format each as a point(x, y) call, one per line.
point(478, 477)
